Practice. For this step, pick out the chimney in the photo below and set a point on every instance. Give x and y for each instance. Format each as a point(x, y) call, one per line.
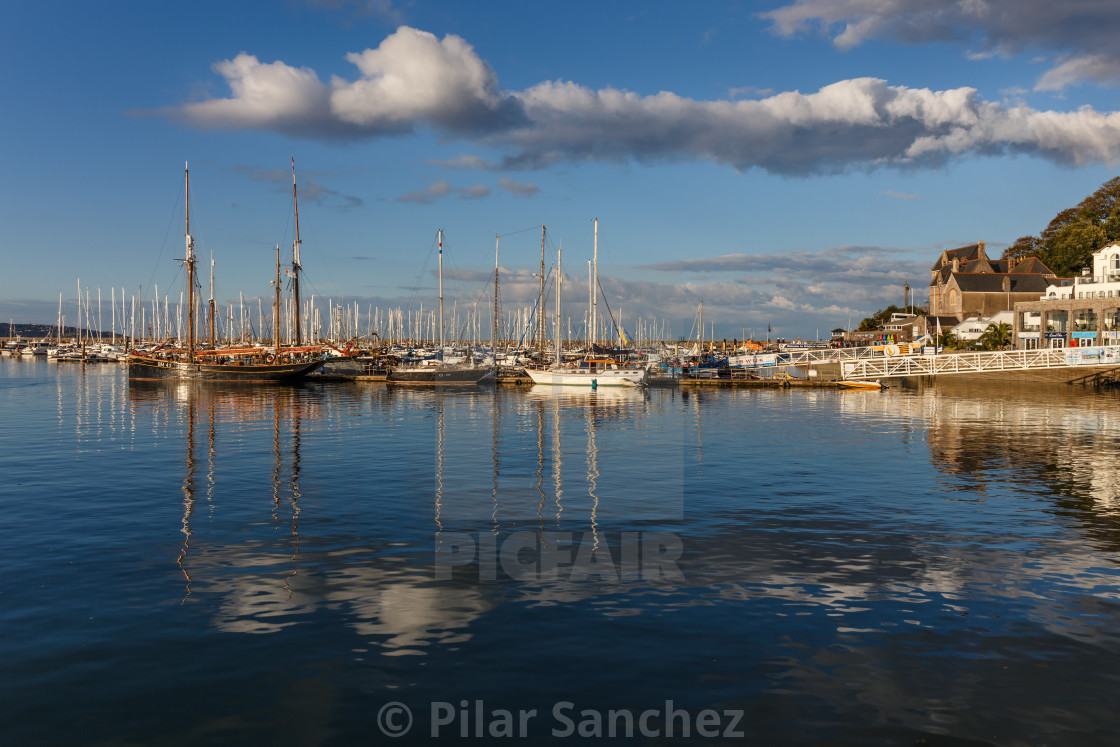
point(981, 254)
point(1006, 284)
point(956, 264)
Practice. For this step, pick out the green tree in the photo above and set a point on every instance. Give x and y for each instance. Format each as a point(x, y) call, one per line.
point(996, 336)
point(1071, 248)
point(1069, 240)
point(946, 340)
point(880, 317)
point(1024, 246)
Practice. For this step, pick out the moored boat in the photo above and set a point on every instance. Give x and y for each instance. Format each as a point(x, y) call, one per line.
point(869, 385)
point(250, 365)
point(439, 371)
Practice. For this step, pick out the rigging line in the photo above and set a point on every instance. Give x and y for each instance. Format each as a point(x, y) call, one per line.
point(170, 221)
point(514, 233)
point(420, 276)
point(605, 303)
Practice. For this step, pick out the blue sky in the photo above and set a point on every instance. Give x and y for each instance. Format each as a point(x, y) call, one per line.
point(788, 163)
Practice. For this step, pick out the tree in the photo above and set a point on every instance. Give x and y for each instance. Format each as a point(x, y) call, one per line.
point(1069, 240)
point(946, 340)
point(1071, 247)
point(996, 336)
point(879, 318)
point(1024, 246)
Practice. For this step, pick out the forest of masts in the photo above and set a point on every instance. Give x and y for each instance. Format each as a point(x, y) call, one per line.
point(139, 320)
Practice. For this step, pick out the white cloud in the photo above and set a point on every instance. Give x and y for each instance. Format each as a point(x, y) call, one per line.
point(519, 189)
point(413, 76)
point(414, 80)
point(1097, 68)
point(427, 196)
point(1084, 31)
point(477, 192)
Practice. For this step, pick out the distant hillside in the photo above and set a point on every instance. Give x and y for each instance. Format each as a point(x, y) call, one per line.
point(36, 331)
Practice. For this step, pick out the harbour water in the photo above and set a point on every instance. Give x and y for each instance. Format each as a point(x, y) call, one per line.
point(330, 563)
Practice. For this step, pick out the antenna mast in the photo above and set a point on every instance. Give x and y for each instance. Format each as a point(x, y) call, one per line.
point(296, 266)
point(190, 264)
point(540, 312)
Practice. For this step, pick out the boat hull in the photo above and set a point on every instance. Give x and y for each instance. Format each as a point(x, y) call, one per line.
point(142, 368)
point(862, 385)
point(434, 375)
point(611, 377)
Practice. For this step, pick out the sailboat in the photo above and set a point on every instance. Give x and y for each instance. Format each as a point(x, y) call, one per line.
point(438, 371)
point(592, 371)
point(244, 364)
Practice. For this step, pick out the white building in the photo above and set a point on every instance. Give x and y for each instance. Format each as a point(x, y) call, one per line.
point(1076, 311)
point(971, 329)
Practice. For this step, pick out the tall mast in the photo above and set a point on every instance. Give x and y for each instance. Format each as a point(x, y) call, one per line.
point(276, 306)
point(441, 294)
point(295, 257)
point(540, 313)
point(595, 288)
point(497, 304)
point(212, 345)
point(190, 265)
point(556, 329)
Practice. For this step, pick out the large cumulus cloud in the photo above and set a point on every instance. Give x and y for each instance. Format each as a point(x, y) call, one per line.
point(415, 80)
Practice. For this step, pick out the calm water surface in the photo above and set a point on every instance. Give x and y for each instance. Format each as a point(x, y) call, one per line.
point(215, 565)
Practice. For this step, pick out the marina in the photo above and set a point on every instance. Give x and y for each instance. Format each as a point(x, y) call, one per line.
point(304, 544)
point(735, 373)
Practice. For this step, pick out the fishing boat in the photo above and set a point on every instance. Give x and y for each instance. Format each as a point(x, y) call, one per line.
point(592, 371)
point(256, 364)
point(437, 370)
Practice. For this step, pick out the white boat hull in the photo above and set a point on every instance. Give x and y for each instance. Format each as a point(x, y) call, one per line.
point(610, 377)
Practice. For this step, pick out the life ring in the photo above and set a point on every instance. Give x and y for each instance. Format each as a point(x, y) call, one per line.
point(890, 350)
point(270, 358)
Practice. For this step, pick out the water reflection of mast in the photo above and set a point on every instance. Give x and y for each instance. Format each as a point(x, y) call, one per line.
point(188, 498)
point(439, 460)
point(210, 461)
point(593, 472)
point(557, 459)
point(295, 492)
point(540, 462)
point(494, 455)
point(277, 471)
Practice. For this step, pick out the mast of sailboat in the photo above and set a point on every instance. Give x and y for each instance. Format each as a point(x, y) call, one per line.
point(497, 304)
point(556, 329)
point(276, 306)
point(295, 257)
point(440, 294)
point(190, 265)
point(595, 288)
point(540, 313)
point(212, 345)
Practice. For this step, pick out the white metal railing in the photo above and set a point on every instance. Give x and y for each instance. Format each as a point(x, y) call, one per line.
point(839, 355)
point(1011, 360)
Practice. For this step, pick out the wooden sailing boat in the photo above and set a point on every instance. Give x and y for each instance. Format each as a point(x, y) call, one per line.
point(245, 364)
point(437, 371)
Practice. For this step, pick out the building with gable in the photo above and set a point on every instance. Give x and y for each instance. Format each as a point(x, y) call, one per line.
point(965, 283)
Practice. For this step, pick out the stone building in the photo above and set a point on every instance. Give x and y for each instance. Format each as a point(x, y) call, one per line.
point(965, 283)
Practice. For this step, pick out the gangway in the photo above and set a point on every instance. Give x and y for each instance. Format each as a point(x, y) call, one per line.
point(987, 362)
